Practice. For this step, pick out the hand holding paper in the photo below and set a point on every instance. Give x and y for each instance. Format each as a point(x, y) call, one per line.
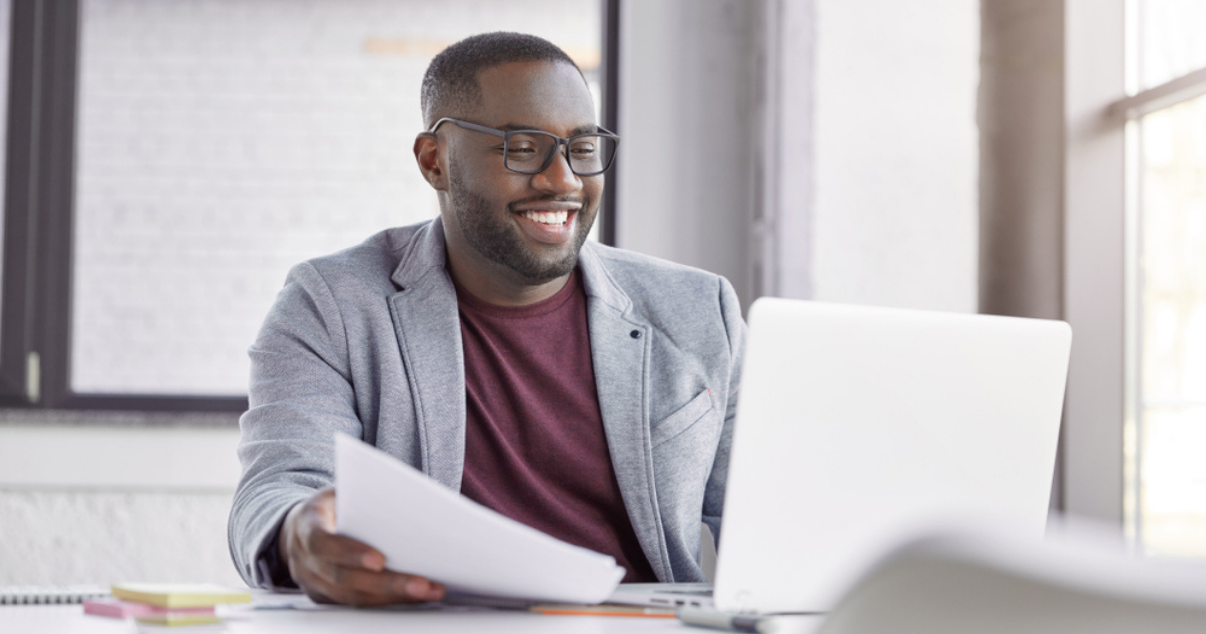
point(425, 529)
point(333, 568)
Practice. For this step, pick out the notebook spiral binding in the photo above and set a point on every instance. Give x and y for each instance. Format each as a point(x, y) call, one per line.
point(46, 595)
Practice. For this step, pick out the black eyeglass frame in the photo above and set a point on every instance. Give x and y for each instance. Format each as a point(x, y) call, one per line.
point(506, 135)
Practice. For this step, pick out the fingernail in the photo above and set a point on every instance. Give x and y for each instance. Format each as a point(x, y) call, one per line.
point(373, 561)
point(435, 593)
point(417, 587)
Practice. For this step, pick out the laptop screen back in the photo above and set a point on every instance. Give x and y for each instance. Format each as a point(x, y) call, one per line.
point(857, 425)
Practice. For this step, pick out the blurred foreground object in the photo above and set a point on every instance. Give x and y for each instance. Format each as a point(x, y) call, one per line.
point(986, 583)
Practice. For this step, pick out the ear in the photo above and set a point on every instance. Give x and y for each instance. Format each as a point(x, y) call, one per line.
point(430, 155)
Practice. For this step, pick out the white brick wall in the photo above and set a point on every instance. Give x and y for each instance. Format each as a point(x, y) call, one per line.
point(97, 497)
point(104, 537)
point(222, 141)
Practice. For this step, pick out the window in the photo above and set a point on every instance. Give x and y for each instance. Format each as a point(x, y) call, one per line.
point(202, 148)
point(1168, 321)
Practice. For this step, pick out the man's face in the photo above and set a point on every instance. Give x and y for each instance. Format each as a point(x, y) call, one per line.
point(525, 225)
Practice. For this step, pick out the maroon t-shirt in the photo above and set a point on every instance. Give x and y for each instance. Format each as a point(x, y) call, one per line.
point(535, 449)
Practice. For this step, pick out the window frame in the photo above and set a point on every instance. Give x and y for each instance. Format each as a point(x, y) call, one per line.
point(1101, 243)
point(35, 313)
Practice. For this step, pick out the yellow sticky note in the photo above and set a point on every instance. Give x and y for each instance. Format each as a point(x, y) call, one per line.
point(179, 595)
point(171, 619)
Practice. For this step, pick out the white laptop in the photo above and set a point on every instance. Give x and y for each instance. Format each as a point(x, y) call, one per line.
point(857, 425)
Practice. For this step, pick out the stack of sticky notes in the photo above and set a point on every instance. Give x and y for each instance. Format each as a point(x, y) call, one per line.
point(166, 603)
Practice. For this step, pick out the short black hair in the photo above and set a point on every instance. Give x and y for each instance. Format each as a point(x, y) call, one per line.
point(450, 85)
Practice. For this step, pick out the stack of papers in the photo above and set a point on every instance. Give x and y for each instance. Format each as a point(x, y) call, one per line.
point(425, 529)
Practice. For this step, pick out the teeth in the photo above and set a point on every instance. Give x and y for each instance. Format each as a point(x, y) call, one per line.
point(547, 217)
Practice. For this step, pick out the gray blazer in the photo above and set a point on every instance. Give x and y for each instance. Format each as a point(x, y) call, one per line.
point(367, 342)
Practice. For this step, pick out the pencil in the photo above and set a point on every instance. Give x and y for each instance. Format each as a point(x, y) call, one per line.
point(602, 610)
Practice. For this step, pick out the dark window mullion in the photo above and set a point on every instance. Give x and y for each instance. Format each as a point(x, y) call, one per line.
point(19, 267)
point(610, 115)
point(55, 193)
point(152, 402)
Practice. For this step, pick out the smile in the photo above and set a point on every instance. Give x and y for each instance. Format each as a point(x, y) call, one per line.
point(546, 217)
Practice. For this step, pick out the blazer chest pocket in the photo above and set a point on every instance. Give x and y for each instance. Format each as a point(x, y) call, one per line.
point(682, 420)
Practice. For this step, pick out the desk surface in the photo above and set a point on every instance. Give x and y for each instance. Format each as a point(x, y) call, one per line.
point(70, 619)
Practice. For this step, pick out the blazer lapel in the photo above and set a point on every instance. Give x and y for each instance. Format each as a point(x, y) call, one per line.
point(620, 350)
point(429, 335)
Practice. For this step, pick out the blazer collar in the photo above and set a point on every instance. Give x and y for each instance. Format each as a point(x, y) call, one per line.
point(600, 286)
point(423, 253)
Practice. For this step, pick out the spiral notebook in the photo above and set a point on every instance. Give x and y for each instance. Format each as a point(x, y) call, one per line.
point(15, 595)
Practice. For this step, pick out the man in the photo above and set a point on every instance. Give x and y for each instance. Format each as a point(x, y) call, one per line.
point(583, 390)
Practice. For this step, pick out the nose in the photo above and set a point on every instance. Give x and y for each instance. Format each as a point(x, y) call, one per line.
point(557, 178)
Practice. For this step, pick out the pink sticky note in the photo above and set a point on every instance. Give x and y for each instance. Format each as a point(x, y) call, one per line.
point(127, 609)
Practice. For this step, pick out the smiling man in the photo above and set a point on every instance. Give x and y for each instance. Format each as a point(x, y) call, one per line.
point(583, 390)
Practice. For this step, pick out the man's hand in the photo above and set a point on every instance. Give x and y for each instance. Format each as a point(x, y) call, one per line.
point(332, 568)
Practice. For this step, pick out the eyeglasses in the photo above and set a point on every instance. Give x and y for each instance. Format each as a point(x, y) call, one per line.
point(532, 151)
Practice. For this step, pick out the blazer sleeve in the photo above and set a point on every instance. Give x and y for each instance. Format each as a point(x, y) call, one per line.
point(300, 394)
point(735, 328)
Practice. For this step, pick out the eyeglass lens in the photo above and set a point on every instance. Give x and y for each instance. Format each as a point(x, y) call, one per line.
point(532, 152)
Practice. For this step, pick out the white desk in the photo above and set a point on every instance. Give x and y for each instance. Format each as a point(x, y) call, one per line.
point(70, 619)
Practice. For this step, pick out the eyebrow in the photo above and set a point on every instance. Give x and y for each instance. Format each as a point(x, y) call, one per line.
point(582, 129)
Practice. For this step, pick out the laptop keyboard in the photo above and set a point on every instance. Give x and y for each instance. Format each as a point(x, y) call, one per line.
point(702, 592)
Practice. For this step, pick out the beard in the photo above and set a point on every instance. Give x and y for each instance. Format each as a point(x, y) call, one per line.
point(499, 242)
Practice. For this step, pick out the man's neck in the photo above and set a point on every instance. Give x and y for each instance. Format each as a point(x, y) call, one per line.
point(500, 288)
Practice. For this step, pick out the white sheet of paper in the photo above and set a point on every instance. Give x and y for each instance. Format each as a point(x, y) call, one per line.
point(426, 529)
